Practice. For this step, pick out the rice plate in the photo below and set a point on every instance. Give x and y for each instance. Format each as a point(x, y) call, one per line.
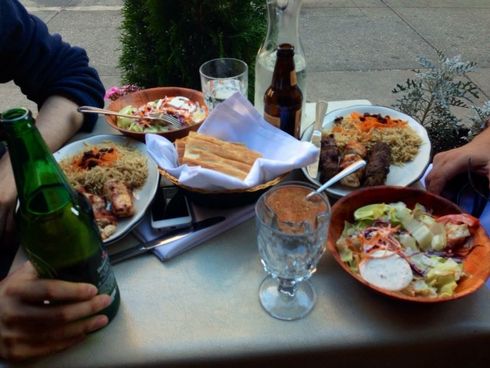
point(368, 129)
point(108, 160)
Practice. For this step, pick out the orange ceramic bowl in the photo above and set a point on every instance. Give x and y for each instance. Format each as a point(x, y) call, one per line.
point(476, 264)
point(142, 97)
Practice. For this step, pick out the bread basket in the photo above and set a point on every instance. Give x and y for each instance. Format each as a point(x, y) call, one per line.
point(224, 198)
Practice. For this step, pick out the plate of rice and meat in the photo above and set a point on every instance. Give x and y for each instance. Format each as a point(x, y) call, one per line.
point(116, 176)
point(395, 146)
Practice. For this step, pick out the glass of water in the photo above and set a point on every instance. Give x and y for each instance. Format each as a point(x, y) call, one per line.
point(291, 236)
point(221, 78)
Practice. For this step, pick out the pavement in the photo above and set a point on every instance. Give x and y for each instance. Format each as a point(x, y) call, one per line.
point(355, 49)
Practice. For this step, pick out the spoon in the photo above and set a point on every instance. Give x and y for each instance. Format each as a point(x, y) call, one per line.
point(347, 171)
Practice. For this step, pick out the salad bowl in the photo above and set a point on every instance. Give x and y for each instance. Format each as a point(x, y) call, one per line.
point(142, 97)
point(476, 264)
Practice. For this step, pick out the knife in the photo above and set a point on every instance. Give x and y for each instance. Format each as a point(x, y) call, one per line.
point(167, 238)
point(316, 136)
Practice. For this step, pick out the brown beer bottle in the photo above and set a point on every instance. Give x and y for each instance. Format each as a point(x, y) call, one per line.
point(283, 99)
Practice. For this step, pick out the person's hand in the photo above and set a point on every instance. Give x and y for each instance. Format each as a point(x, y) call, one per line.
point(29, 327)
point(448, 164)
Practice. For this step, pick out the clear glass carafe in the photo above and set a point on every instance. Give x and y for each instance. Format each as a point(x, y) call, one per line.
point(283, 27)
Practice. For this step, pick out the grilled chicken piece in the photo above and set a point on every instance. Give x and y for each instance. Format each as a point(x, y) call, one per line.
point(329, 158)
point(353, 151)
point(120, 197)
point(105, 220)
point(378, 165)
point(456, 234)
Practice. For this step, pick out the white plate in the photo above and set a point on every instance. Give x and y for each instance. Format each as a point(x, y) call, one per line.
point(403, 175)
point(143, 195)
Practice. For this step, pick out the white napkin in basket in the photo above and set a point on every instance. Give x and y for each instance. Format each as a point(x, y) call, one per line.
point(236, 120)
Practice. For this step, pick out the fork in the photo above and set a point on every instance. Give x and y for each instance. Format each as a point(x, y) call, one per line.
point(162, 117)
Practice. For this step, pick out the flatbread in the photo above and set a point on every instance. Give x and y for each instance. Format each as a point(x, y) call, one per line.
point(230, 158)
point(180, 147)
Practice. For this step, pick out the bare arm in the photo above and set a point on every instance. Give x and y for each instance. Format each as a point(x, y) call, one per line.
point(58, 120)
point(450, 163)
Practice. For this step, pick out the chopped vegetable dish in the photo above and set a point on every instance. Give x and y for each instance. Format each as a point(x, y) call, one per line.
point(407, 250)
point(188, 113)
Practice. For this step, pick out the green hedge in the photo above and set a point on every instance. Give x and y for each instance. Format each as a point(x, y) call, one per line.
point(165, 41)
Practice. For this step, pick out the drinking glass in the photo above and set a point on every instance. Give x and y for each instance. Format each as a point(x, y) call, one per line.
point(291, 236)
point(221, 78)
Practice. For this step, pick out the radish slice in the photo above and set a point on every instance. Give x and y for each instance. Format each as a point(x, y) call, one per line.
point(386, 270)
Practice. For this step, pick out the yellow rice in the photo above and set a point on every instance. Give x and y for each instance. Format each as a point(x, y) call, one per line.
point(131, 167)
point(404, 142)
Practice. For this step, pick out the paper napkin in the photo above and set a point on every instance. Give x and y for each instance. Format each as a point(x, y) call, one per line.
point(236, 120)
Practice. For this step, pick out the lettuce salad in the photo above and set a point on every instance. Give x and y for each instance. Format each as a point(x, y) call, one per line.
point(188, 112)
point(407, 250)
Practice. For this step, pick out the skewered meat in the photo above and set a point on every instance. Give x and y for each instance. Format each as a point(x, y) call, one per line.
point(105, 220)
point(96, 157)
point(353, 151)
point(378, 165)
point(329, 158)
point(120, 197)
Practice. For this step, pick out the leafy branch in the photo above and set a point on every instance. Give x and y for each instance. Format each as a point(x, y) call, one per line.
point(164, 42)
point(431, 96)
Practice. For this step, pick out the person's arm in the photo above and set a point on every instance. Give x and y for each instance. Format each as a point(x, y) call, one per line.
point(58, 120)
point(448, 164)
point(50, 72)
point(29, 327)
point(42, 64)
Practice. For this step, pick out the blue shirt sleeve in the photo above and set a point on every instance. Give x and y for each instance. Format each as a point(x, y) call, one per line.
point(42, 64)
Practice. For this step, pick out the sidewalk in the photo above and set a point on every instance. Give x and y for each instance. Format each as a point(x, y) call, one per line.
point(355, 49)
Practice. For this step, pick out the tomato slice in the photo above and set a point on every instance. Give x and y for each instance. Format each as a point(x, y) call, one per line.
point(461, 218)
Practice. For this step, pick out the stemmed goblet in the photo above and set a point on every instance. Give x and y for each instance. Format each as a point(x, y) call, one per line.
point(291, 236)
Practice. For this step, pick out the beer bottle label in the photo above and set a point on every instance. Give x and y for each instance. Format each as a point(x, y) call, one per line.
point(274, 120)
point(43, 268)
point(107, 281)
point(294, 78)
point(297, 125)
point(291, 121)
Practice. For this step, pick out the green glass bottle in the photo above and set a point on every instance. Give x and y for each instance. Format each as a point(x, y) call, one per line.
point(55, 224)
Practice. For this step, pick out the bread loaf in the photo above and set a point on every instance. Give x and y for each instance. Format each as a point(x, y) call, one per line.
point(234, 159)
point(180, 147)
